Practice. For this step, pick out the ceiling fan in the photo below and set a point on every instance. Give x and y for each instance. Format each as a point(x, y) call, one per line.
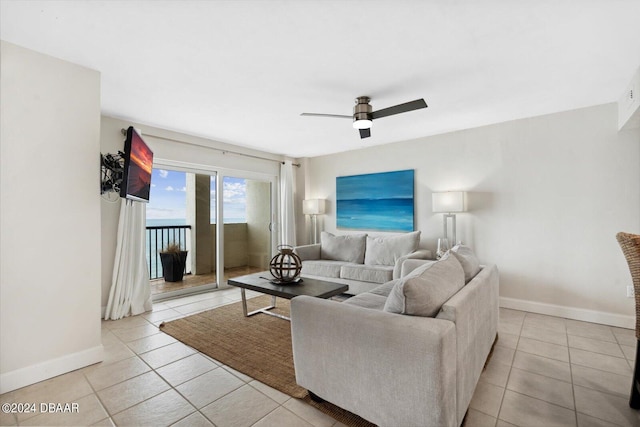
point(363, 114)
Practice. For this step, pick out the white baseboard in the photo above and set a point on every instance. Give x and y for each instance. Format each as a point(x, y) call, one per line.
point(611, 319)
point(14, 380)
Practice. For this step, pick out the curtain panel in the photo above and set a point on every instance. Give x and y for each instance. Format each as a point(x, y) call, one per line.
point(130, 292)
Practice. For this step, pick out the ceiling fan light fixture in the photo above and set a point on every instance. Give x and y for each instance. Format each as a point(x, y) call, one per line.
point(362, 124)
point(363, 114)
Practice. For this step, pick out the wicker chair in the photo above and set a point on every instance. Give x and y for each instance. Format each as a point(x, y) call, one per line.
point(630, 244)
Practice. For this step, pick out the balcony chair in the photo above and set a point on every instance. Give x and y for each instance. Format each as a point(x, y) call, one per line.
point(630, 244)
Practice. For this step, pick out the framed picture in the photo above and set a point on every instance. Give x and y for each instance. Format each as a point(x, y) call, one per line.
point(376, 201)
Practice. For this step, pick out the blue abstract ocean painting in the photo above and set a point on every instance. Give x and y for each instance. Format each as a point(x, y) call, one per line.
point(376, 201)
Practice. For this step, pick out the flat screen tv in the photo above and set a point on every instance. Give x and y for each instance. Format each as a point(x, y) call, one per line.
point(138, 162)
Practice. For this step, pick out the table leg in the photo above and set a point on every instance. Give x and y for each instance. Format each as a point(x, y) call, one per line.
point(244, 302)
point(263, 310)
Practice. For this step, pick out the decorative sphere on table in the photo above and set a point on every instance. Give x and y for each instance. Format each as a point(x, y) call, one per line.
point(286, 265)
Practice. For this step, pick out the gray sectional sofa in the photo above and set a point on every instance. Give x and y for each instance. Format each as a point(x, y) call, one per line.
point(409, 352)
point(359, 260)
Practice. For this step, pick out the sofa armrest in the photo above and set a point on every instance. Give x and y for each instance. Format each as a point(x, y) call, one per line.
point(388, 368)
point(419, 254)
point(475, 310)
point(308, 251)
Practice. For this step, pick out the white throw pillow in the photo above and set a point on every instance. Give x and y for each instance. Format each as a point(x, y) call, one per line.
point(386, 249)
point(348, 248)
point(424, 294)
point(468, 260)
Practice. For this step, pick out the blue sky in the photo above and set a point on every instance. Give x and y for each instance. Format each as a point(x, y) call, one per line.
point(168, 196)
point(384, 185)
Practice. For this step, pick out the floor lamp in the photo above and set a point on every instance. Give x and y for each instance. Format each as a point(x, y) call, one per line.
point(447, 203)
point(314, 207)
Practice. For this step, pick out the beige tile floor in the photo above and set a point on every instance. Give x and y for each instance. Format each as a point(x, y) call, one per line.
point(545, 371)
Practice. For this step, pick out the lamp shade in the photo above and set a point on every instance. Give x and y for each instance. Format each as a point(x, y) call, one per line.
point(449, 201)
point(313, 206)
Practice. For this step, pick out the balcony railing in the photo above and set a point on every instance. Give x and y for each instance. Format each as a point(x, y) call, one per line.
point(157, 238)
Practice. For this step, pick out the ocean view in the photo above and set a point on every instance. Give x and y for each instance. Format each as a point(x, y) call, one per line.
point(382, 214)
point(155, 222)
point(165, 221)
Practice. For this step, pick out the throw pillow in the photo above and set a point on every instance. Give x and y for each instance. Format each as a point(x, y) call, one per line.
point(468, 260)
point(424, 294)
point(348, 248)
point(386, 249)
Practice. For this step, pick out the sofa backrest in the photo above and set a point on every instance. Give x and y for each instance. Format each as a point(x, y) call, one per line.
point(382, 249)
point(386, 249)
point(348, 248)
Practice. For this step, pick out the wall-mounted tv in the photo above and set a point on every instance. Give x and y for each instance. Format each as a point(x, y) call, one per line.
point(138, 162)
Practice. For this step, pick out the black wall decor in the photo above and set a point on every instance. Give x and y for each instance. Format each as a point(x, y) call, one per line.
point(111, 171)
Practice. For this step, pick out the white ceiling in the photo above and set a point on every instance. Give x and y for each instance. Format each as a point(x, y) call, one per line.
point(243, 71)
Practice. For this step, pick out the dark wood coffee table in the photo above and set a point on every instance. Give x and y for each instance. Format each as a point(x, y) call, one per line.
point(259, 282)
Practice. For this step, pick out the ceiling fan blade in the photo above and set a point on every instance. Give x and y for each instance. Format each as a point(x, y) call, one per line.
point(400, 108)
point(365, 133)
point(339, 116)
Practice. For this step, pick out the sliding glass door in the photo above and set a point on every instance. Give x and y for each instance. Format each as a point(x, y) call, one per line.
point(184, 208)
point(172, 220)
point(248, 240)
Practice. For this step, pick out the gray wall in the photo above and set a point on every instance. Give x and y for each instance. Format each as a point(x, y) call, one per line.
point(546, 197)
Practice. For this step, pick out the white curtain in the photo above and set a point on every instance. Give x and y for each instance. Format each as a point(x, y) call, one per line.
point(287, 210)
point(130, 292)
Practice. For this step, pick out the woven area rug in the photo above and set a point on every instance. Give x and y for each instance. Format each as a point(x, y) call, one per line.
point(258, 346)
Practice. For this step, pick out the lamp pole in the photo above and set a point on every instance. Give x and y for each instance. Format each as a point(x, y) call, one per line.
point(314, 218)
point(453, 227)
point(313, 208)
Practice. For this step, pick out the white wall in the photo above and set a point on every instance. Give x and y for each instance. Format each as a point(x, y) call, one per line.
point(547, 196)
point(185, 151)
point(629, 105)
point(50, 217)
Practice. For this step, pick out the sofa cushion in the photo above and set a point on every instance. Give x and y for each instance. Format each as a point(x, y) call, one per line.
point(385, 289)
point(322, 268)
point(349, 248)
point(367, 300)
point(386, 249)
point(423, 294)
point(468, 261)
point(308, 251)
point(367, 273)
point(411, 265)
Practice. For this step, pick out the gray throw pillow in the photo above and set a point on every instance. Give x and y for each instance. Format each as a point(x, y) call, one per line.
point(468, 260)
point(348, 248)
point(423, 294)
point(386, 249)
